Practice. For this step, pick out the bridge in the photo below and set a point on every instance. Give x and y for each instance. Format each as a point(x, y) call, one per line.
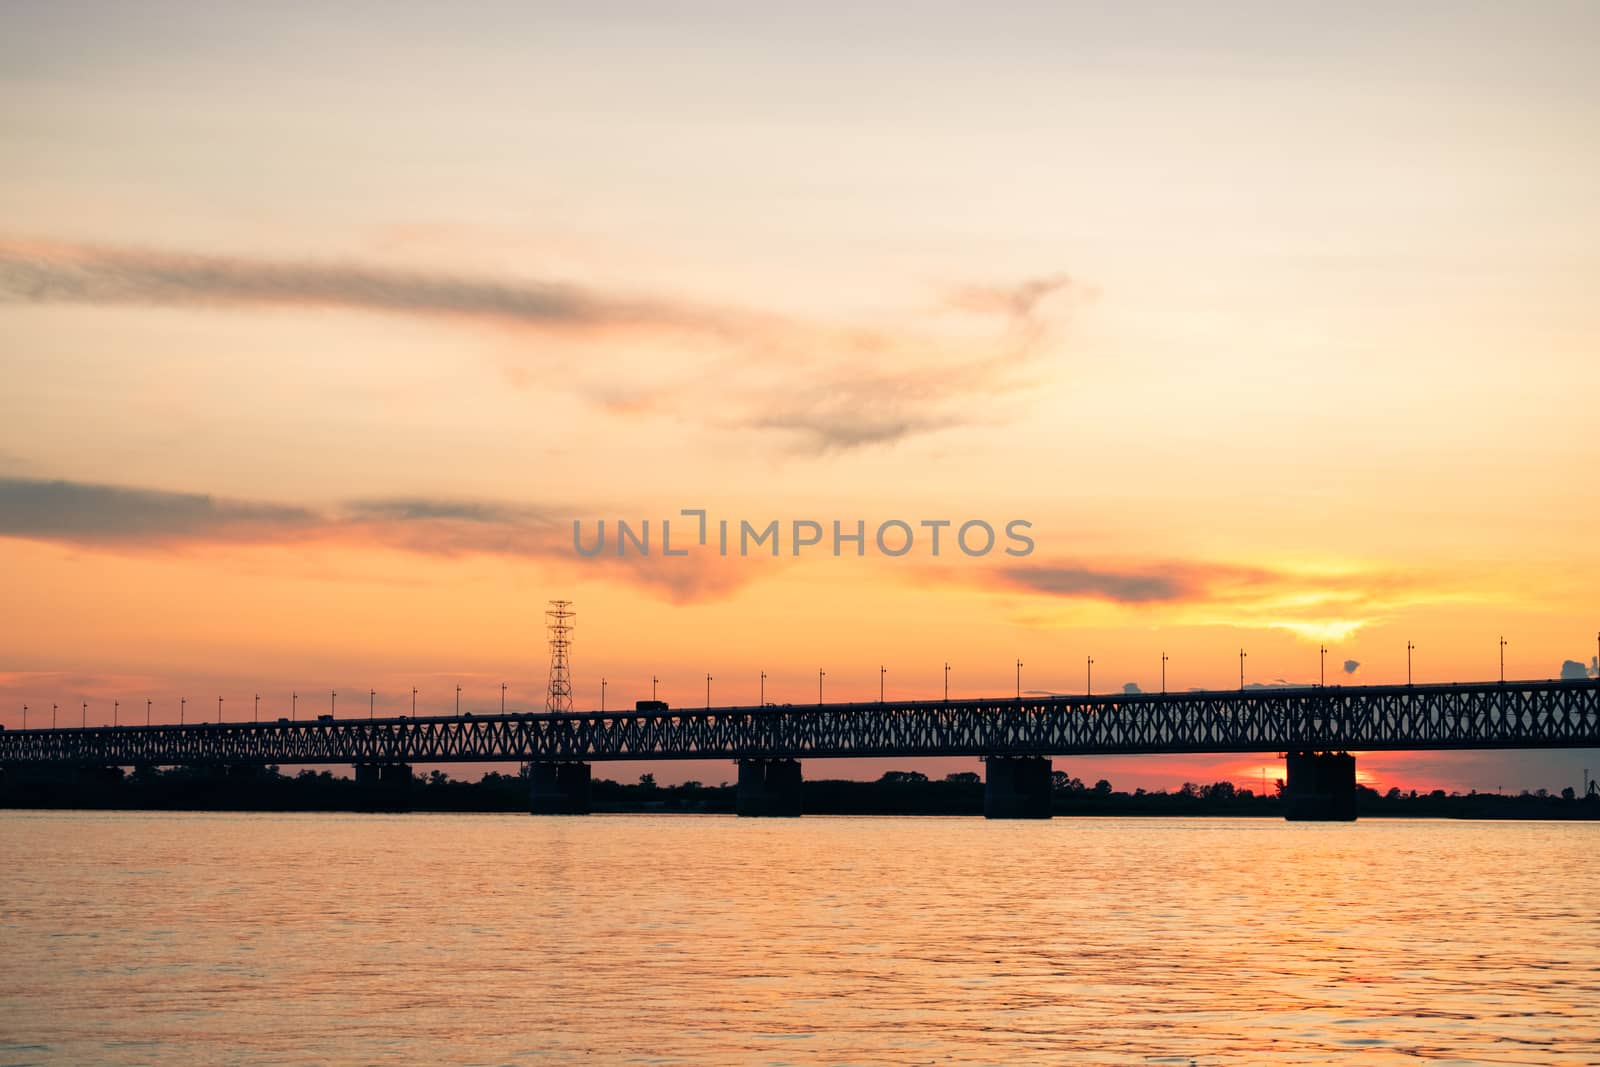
point(1315, 728)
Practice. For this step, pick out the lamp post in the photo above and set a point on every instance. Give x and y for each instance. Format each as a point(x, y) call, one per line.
point(1088, 677)
point(763, 688)
point(115, 706)
point(258, 707)
point(1322, 678)
point(372, 703)
point(502, 698)
point(1163, 673)
point(1502, 659)
point(820, 674)
point(602, 694)
point(1409, 648)
point(219, 709)
point(947, 681)
point(24, 716)
point(708, 691)
point(182, 702)
point(1019, 679)
point(654, 682)
point(458, 701)
point(294, 707)
point(147, 713)
point(85, 724)
point(1241, 670)
point(882, 670)
point(413, 702)
point(333, 702)
point(52, 716)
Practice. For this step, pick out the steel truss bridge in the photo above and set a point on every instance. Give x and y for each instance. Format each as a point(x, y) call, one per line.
point(1552, 714)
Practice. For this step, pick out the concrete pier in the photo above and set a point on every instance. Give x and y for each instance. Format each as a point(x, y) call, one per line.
point(559, 788)
point(768, 787)
point(1320, 787)
point(1016, 787)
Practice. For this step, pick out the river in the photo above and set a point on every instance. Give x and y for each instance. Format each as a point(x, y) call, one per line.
point(353, 939)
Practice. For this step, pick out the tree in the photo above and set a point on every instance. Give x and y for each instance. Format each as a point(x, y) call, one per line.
point(1102, 788)
point(963, 778)
point(647, 781)
point(1221, 791)
point(902, 777)
point(1568, 794)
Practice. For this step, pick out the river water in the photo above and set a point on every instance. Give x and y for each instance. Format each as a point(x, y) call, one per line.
point(355, 939)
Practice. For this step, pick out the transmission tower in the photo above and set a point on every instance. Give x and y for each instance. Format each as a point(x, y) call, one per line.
point(558, 620)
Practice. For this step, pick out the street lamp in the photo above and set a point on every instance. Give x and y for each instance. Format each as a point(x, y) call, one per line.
point(763, 688)
point(882, 670)
point(1019, 679)
point(413, 702)
point(502, 698)
point(458, 701)
point(219, 709)
point(258, 707)
point(1322, 651)
point(1088, 677)
point(708, 691)
point(947, 681)
point(372, 703)
point(654, 682)
point(115, 704)
point(24, 716)
point(819, 686)
point(182, 702)
point(1502, 660)
point(85, 723)
point(1241, 670)
point(294, 706)
point(147, 713)
point(1163, 672)
point(1409, 648)
point(333, 702)
point(602, 694)
point(52, 716)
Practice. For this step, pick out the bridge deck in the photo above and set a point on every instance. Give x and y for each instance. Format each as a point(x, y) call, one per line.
point(1552, 714)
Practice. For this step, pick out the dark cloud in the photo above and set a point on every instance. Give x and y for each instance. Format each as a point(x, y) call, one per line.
point(135, 519)
point(1128, 587)
point(1351, 666)
point(822, 388)
point(41, 273)
point(1573, 671)
point(74, 511)
point(412, 509)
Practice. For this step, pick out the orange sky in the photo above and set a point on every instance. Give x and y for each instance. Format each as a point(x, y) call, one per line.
point(1278, 334)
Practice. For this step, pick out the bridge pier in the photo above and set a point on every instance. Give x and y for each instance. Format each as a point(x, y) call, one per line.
point(768, 787)
point(1320, 787)
point(558, 788)
point(1016, 787)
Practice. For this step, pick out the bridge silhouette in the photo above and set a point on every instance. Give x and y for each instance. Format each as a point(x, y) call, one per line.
point(1314, 727)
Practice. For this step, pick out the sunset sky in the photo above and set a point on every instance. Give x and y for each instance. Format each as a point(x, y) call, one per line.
point(321, 324)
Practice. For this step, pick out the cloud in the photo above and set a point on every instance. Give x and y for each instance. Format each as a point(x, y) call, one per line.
point(1351, 666)
point(891, 387)
point(1573, 671)
point(127, 519)
point(52, 272)
point(819, 387)
point(1315, 605)
point(1155, 584)
point(74, 511)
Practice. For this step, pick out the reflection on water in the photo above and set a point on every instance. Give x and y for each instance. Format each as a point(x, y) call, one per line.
point(142, 938)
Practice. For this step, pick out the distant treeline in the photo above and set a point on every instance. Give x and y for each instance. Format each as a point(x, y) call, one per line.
point(896, 793)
